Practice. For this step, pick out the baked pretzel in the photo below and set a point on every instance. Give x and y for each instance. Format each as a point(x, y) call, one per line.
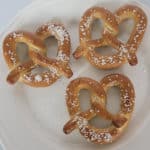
point(124, 51)
point(98, 101)
point(37, 52)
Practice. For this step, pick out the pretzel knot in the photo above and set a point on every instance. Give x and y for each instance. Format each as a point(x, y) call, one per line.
point(37, 53)
point(124, 51)
point(98, 101)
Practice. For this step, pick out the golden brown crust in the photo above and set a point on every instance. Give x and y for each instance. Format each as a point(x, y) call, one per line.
point(37, 53)
point(125, 51)
point(98, 100)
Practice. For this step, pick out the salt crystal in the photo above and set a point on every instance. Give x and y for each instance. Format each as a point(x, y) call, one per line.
point(88, 22)
point(53, 71)
point(134, 10)
point(107, 137)
point(38, 78)
point(60, 31)
point(123, 49)
point(7, 44)
point(28, 77)
point(14, 34)
point(62, 56)
point(103, 62)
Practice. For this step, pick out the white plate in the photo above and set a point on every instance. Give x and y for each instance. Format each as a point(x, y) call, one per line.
point(33, 118)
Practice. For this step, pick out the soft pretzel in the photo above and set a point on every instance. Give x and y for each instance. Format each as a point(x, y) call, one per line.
point(37, 52)
point(124, 51)
point(98, 101)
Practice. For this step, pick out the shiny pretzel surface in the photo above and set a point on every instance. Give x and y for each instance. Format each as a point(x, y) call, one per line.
point(79, 120)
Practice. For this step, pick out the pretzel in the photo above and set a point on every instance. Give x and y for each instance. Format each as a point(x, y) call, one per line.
point(98, 101)
point(37, 52)
point(124, 51)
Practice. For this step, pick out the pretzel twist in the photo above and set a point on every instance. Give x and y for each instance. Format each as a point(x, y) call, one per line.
point(98, 101)
point(37, 52)
point(124, 51)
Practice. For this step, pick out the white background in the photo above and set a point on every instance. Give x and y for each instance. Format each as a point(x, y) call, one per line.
point(9, 8)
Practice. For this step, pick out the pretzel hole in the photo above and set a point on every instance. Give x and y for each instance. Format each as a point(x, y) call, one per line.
point(39, 70)
point(125, 29)
point(52, 46)
point(100, 122)
point(22, 51)
point(84, 97)
point(96, 29)
point(113, 100)
point(105, 50)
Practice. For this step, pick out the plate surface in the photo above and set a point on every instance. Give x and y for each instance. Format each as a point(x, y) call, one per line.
point(33, 118)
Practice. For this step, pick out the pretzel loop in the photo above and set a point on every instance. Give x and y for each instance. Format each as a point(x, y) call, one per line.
point(62, 59)
point(140, 23)
point(80, 119)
